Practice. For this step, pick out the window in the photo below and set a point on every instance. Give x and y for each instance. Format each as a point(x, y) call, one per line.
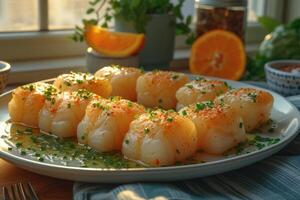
point(18, 15)
point(44, 26)
point(64, 14)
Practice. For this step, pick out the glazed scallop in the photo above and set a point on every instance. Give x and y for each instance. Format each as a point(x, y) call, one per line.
point(27, 102)
point(160, 138)
point(122, 79)
point(78, 80)
point(106, 122)
point(219, 127)
point(200, 90)
point(158, 88)
point(253, 105)
point(62, 114)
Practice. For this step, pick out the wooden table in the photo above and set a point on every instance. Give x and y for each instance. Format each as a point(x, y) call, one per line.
point(46, 187)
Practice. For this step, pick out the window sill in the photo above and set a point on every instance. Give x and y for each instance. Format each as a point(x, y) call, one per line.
point(35, 70)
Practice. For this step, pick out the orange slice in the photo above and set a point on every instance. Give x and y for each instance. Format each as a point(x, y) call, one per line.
point(218, 53)
point(114, 44)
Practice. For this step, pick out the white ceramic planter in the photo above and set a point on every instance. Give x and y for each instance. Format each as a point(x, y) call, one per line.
point(159, 43)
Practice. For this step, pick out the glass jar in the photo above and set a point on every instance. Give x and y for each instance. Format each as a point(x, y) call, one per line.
point(230, 15)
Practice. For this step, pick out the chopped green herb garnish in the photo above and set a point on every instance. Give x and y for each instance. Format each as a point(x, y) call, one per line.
point(240, 148)
point(241, 125)
point(19, 144)
point(142, 69)
point(170, 119)
point(175, 76)
point(271, 130)
point(98, 105)
point(23, 152)
point(28, 130)
point(84, 94)
point(260, 145)
point(49, 93)
point(189, 86)
point(184, 113)
point(79, 81)
point(200, 106)
point(67, 83)
point(41, 159)
point(29, 87)
point(199, 78)
point(209, 104)
point(127, 141)
point(226, 84)
point(252, 96)
point(146, 130)
point(129, 104)
point(37, 155)
point(9, 148)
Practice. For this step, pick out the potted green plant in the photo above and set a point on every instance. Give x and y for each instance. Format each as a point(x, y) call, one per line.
point(160, 20)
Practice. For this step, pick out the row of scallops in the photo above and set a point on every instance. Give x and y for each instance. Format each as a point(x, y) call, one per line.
point(101, 112)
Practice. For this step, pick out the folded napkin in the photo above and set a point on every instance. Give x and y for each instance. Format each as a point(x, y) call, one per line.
point(274, 178)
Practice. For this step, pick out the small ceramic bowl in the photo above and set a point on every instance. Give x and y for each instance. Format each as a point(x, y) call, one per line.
point(4, 71)
point(94, 61)
point(284, 82)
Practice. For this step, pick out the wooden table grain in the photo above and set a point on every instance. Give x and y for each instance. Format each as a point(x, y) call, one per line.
point(47, 188)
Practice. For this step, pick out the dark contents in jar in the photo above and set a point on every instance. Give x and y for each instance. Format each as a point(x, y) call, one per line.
point(290, 67)
point(209, 18)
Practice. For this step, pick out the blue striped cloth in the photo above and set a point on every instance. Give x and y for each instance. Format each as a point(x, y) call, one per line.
point(274, 178)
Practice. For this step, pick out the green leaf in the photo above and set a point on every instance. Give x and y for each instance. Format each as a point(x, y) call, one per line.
point(90, 10)
point(104, 25)
point(93, 3)
point(295, 24)
point(268, 23)
point(79, 29)
point(189, 20)
point(134, 4)
point(190, 39)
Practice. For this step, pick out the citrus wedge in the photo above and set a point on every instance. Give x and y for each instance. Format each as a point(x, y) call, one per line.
point(218, 53)
point(114, 44)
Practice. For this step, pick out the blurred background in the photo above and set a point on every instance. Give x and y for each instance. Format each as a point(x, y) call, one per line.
point(34, 34)
point(24, 15)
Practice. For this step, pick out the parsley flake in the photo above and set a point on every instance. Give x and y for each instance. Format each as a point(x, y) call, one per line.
point(146, 130)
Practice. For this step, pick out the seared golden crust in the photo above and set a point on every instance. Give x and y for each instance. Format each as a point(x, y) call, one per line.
point(253, 105)
point(77, 80)
point(122, 79)
point(158, 88)
point(219, 127)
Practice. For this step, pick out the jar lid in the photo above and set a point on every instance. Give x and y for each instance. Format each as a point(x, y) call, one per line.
point(222, 3)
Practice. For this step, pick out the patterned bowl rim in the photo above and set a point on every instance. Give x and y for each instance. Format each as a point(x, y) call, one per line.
point(4, 66)
point(269, 67)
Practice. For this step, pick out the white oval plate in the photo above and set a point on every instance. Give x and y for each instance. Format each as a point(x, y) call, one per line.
point(283, 112)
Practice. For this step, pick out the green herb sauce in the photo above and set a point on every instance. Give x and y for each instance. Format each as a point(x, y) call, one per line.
point(32, 144)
